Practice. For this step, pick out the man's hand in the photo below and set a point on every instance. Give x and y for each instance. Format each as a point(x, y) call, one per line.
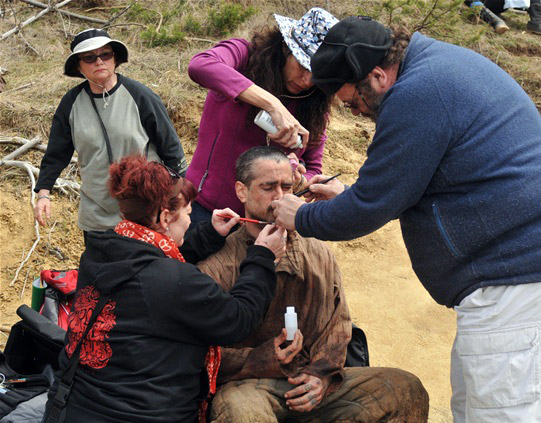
point(319, 191)
point(287, 354)
point(273, 238)
point(308, 394)
point(285, 210)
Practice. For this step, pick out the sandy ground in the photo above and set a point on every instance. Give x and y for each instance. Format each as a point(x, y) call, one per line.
point(405, 328)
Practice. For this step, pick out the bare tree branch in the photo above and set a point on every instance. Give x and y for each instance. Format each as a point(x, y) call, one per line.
point(62, 185)
point(65, 12)
point(119, 14)
point(22, 87)
point(25, 41)
point(28, 167)
point(23, 141)
point(32, 19)
point(22, 149)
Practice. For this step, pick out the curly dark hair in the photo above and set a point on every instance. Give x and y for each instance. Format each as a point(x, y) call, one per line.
point(401, 39)
point(268, 54)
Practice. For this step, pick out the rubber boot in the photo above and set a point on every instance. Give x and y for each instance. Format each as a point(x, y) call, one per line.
point(534, 25)
point(490, 17)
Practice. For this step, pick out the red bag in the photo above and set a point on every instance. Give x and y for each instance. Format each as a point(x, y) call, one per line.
point(59, 295)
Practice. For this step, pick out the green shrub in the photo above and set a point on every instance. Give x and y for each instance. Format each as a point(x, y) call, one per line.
point(166, 35)
point(191, 25)
point(174, 12)
point(227, 17)
point(139, 13)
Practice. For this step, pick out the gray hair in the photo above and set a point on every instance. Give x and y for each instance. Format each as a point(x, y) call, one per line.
point(244, 169)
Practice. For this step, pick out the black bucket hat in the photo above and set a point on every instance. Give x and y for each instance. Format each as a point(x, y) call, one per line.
point(88, 40)
point(349, 52)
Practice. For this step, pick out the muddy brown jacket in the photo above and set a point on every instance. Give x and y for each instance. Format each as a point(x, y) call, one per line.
point(309, 280)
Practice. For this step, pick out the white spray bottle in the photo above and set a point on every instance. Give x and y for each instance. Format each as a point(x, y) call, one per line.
point(291, 323)
point(264, 121)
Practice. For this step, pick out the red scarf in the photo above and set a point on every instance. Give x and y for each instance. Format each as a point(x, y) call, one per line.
point(170, 249)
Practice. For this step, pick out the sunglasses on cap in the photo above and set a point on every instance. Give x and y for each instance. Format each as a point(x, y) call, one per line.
point(172, 173)
point(91, 58)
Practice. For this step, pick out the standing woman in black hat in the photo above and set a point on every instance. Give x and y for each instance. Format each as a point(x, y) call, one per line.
point(105, 118)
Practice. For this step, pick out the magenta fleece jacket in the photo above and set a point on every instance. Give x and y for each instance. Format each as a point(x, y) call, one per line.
point(224, 133)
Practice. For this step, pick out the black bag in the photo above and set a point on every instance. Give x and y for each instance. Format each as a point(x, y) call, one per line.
point(357, 352)
point(28, 360)
point(33, 343)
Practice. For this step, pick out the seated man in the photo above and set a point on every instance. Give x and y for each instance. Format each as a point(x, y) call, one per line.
point(265, 381)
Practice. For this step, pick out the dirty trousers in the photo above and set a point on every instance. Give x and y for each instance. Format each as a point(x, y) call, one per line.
point(368, 395)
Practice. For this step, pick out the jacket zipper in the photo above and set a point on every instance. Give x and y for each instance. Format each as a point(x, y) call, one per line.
point(200, 187)
point(444, 234)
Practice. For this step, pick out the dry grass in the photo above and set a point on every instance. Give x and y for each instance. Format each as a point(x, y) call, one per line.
point(27, 111)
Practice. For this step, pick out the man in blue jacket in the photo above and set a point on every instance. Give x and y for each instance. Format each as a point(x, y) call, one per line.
point(457, 159)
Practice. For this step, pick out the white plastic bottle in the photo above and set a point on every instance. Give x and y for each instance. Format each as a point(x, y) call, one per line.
point(291, 323)
point(264, 121)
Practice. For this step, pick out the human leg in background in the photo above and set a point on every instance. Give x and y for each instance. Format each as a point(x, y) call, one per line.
point(534, 25)
point(486, 14)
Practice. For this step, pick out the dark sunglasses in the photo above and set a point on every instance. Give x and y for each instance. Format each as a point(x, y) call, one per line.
point(173, 175)
point(91, 58)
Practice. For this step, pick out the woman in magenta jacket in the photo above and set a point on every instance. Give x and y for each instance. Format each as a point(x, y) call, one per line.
point(272, 72)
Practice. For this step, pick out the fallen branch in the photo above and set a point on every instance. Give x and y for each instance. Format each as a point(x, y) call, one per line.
point(203, 40)
point(23, 141)
point(61, 184)
point(22, 149)
point(28, 169)
point(103, 8)
point(30, 46)
point(126, 24)
point(119, 14)
point(65, 12)
point(32, 19)
point(22, 87)
point(24, 284)
point(161, 20)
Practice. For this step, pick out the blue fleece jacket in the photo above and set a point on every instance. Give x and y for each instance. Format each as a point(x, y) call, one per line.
point(457, 157)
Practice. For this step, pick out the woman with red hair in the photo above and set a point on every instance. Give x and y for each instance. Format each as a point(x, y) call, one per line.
point(152, 315)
